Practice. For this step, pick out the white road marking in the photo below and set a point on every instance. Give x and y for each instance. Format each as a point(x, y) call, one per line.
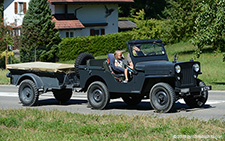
point(8, 94)
point(207, 102)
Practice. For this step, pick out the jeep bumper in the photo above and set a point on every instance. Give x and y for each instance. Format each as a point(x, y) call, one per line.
point(193, 89)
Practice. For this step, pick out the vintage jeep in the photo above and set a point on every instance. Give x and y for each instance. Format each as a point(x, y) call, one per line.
point(153, 76)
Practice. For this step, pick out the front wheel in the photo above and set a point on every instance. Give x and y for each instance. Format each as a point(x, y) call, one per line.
point(28, 93)
point(162, 97)
point(98, 95)
point(197, 102)
point(62, 96)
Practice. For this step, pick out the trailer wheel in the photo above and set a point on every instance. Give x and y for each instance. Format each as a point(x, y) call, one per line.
point(162, 97)
point(28, 93)
point(98, 95)
point(132, 99)
point(81, 60)
point(197, 102)
point(62, 96)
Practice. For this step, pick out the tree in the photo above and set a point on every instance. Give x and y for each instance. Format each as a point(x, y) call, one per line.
point(38, 31)
point(209, 26)
point(153, 8)
point(182, 15)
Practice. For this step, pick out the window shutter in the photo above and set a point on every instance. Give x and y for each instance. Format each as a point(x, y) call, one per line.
point(15, 8)
point(102, 31)
point(92, 32)
point(24, 7)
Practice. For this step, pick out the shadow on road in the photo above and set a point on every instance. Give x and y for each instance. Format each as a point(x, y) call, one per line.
point(53, 101)
point(143, 106)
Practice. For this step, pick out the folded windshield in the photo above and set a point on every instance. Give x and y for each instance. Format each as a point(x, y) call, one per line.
point(147, 49)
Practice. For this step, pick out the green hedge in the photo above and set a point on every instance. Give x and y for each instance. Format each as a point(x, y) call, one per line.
point(70, 48)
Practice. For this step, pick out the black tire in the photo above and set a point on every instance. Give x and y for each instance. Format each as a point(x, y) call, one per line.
point(28, 93)
point(98, 95)
point(62, 96)
point(132, 99)
point(162, 97)
point(197, 102)
point(81, 60)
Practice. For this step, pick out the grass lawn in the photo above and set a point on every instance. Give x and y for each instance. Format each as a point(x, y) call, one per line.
point(3, 78)
point(60, 125)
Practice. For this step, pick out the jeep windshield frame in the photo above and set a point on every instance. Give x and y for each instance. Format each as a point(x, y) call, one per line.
point(146, 50)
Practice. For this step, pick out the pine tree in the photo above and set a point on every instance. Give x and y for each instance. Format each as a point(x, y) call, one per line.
point(37, 31)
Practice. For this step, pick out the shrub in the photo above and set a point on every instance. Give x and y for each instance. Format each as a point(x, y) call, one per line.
point(153, 29)
point(70, 48)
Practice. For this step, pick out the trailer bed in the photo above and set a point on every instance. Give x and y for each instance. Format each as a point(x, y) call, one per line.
point(43, 66)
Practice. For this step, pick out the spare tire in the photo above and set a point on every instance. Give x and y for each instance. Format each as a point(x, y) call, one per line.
point(81, 60)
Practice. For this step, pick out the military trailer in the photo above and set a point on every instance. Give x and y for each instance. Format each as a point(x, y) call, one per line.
point(152, 77)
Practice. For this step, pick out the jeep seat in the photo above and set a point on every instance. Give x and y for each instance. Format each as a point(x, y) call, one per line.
point(115, 69)
point(117, 72)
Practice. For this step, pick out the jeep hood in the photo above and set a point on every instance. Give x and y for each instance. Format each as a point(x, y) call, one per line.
point(156, 67)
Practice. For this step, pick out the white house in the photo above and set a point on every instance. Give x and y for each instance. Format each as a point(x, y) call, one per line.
point(71, 17)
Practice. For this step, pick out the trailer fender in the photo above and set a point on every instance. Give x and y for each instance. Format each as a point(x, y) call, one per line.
point(36, 79)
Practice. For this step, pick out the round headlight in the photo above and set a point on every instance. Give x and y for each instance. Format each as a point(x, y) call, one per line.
point(196, 67)
point(178, 69)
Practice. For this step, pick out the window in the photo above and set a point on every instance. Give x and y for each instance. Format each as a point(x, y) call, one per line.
point(94, 32)
point(69, 34)
point(20, 7)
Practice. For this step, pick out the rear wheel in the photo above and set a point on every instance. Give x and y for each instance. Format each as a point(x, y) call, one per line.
point(197, 102)
point(162, 97)
point(28, 93)
point(98, 95)
point(62, 96)
point(132, 99)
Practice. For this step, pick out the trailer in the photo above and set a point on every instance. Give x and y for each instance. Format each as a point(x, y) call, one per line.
point(35, 78)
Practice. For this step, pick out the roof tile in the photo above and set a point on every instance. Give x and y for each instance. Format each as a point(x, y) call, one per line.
point(67, 24)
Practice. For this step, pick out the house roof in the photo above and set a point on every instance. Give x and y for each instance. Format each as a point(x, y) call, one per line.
point(67, 24)
point(126, 24)
point(90, 1)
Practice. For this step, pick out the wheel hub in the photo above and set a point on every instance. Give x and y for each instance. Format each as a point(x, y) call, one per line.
point(27, 94)
point(97, 95)
point(162, 98)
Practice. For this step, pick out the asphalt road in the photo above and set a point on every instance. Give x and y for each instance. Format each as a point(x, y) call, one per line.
point(213, 109)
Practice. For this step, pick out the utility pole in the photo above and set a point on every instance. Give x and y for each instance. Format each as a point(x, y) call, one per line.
point(11, 49)
point(6, 56)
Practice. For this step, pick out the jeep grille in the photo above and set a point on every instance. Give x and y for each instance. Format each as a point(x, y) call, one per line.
point(187, 78)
